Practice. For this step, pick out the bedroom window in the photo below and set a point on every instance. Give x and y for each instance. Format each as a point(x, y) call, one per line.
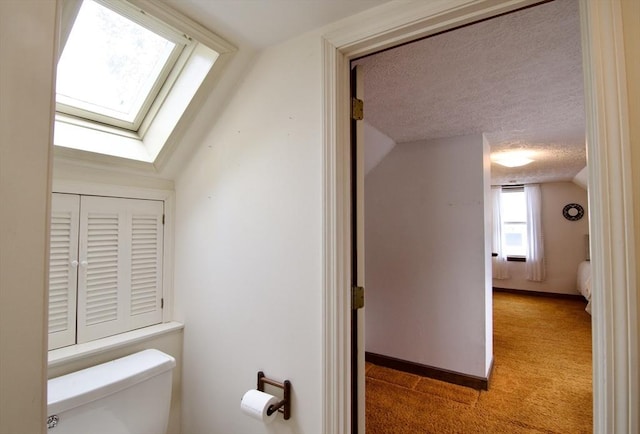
point(514, 223)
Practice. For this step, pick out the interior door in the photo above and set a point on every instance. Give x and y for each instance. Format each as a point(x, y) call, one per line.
point(357, 255)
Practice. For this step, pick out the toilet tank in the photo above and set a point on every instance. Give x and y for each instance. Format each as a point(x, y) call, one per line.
point(130, 395)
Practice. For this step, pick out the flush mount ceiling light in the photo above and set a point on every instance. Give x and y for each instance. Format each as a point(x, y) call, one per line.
point(512, 158)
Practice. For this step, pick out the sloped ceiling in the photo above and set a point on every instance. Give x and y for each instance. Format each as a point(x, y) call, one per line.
point(250, 25)
point(517, 78)
point(261, 23)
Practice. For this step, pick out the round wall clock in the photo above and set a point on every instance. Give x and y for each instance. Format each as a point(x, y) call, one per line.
point(573, 211)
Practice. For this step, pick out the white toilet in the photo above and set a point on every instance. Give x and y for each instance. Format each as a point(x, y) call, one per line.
point(130, 395)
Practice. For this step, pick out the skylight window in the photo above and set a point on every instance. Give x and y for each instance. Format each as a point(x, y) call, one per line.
point(131, 76)
point(114, 64)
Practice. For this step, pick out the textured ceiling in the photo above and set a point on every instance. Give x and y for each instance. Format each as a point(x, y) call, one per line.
point(517, 78)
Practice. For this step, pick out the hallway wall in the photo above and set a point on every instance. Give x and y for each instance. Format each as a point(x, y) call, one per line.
point(427, 255)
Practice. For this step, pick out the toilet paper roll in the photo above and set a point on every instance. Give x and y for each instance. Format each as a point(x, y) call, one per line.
point(255, 404)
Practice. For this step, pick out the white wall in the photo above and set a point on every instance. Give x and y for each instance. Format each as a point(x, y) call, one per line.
point(426, 255)
point(26, 89)
point(248, 248)
point(564, 242)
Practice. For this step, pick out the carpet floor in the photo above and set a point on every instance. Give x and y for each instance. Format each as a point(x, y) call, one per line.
point(541, 381)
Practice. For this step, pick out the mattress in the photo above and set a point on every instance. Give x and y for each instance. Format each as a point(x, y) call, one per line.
point(584, 282)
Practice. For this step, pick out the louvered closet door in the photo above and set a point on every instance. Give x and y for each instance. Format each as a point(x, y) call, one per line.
point(63, 277)
point(144, 305)
point(120, 276)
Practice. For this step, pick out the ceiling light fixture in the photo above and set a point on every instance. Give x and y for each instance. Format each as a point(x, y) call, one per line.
point(512, 159)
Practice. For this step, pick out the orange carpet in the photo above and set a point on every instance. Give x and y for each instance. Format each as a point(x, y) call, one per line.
point(541, 379)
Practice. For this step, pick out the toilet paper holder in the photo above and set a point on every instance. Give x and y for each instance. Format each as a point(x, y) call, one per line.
point(283, 406)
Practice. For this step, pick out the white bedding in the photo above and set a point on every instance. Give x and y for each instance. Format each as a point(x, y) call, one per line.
point(584, 282)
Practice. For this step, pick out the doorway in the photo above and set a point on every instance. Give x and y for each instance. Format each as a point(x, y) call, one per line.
point(393, 27)
point(428, 311)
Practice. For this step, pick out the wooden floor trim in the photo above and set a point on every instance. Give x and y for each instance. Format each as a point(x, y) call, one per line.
point(477, 383)
point(540, 293)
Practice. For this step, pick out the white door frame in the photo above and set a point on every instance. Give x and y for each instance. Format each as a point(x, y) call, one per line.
point(615, 312)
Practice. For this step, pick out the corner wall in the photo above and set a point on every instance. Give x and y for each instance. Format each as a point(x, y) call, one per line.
point(564, 242)
point(26, 107)
point(426, 255)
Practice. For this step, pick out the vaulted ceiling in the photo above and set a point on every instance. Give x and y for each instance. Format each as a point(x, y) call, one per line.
point(516, 78)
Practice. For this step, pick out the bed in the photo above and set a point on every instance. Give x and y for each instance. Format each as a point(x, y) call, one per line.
point(584, 282)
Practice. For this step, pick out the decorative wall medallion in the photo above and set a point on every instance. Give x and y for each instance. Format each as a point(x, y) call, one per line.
point(573, 211)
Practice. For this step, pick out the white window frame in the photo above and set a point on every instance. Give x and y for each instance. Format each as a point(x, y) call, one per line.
point(511, 190)
point(168, 197)
point(154, 98)
point(159, 132)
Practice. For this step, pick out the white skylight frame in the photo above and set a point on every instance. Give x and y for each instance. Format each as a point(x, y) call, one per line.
point(194, 74)
point(89, 111)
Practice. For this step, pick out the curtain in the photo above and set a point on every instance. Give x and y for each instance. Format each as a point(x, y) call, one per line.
point(499, 268)
point(535, 269)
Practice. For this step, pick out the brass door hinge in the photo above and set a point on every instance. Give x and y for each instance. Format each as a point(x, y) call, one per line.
point(357, 297)
point(357, 109)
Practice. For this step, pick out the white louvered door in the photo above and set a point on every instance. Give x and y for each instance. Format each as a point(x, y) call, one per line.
point(100, 278)
point(120, 273)
point(63, 276)
point(146, 264)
